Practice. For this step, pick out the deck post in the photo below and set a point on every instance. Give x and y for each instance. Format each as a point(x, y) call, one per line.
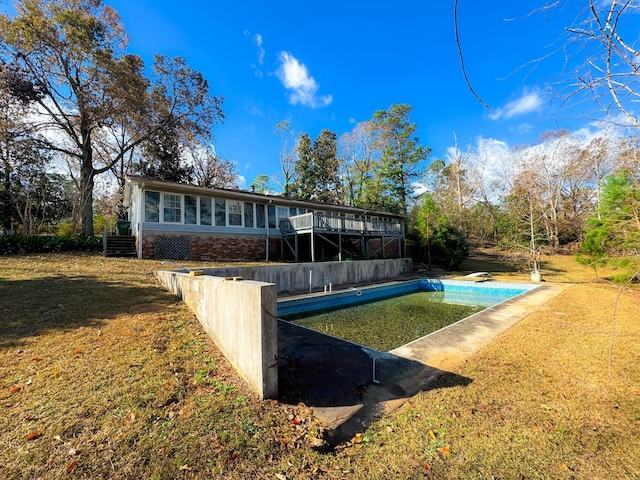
point(313, 246)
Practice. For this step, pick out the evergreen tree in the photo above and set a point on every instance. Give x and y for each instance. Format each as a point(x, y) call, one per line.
point(616, 227)
point(401, 158)
point(304, 171)
point(317, 169)
point(326, 168)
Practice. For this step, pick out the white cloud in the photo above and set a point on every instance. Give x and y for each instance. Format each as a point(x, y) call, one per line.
point(523, 128)
point(295, 77)
point(242, 182)
point(254, 110)
point(529, 102)
point(257, 40)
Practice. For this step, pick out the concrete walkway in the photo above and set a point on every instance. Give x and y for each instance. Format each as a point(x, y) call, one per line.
point(336, 379)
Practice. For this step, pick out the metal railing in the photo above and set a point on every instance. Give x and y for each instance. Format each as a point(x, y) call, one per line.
point(333, 223)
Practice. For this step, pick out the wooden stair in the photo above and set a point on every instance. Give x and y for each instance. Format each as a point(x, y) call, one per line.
point(119, 246)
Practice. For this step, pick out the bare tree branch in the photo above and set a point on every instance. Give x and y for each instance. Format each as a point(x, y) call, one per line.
point(464, 70)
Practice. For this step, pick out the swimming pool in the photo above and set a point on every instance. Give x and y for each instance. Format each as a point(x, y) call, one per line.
point(458, 292)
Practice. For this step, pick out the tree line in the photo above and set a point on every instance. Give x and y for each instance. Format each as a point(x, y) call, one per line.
point(562, 191)
point(76, 108)
point(74, 102)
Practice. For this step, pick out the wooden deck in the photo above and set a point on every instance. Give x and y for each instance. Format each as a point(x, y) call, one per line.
point(336, 233)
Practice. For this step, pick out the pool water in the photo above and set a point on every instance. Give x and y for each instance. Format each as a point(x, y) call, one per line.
point(388, 324)
point(388, 316)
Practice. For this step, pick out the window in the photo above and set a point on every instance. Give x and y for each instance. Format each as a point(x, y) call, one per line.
point(205, 211)
point(151, 206)
point(190, 209)
point(301, 211)
point(271, 213)
point(235, 213)
point(260, 223)
point(248, 215)
point(221, 210)
point(283, 212)
point(293, 211)
point(172, 208)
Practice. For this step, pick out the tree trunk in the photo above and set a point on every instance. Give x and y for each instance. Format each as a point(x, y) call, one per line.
point(86, 187)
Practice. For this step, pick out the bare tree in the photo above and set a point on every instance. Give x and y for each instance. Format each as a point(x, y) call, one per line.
point(603, 39)
point(359, 152)
point(209, 170)
point(75, 49)
point(605, 33)
point(287, 157)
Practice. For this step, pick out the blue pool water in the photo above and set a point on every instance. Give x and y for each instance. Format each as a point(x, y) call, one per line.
point(457, 292)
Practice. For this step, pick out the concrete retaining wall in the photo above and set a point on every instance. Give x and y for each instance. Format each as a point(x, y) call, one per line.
point(294, 278)
point(240, 316)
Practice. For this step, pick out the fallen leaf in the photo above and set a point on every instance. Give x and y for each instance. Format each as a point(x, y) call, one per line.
point(33, 435)
point(427, 466)
point(36, 359)
point(498, 417)
point(77, 352)
point(71, 466)
point(295, 421)
point(315, 442)
point(185, 467)
point(432, 435)
point(444, 450)
point(279, 476)
point(15, 389)
point(357, 438)
point(130, 417)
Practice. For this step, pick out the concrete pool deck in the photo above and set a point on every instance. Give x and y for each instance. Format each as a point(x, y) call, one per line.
point(336, 379)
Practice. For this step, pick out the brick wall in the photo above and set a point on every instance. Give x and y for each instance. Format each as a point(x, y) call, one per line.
point(211, 247)
point(374, 248)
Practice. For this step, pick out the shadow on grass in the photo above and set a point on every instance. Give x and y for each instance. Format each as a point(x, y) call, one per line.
point(34, 307)
point(327, 373)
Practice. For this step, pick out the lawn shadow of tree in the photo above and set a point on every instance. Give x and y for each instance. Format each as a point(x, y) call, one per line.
point(36, 306)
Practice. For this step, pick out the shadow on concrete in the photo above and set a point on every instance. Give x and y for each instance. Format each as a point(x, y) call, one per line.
point(337, 380)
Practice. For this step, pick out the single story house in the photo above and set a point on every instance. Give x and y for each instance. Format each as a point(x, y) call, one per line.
point(177, 221)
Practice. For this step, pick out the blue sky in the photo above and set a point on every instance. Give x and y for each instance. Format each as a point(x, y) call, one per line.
point(333, 64)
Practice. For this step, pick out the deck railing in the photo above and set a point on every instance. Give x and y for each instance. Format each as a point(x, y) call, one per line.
point(333, 223)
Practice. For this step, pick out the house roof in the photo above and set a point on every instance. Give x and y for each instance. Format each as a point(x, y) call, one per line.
point(244, 195)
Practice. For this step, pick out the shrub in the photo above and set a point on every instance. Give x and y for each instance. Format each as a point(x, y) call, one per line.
point(39, 244)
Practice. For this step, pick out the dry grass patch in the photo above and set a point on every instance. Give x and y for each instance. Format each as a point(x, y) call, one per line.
point(105, 375)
